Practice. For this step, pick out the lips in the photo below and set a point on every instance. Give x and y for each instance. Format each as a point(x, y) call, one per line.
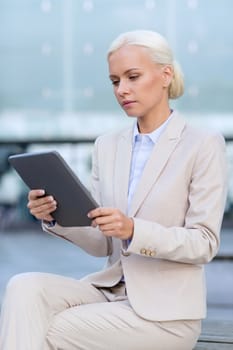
point(127, 103)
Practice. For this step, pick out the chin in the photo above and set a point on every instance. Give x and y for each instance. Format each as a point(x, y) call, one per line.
point(130, 114)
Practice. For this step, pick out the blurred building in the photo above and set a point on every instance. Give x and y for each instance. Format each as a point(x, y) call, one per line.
point(54, 77)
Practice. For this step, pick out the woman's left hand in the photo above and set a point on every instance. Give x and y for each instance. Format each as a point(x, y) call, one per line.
point(112, 222)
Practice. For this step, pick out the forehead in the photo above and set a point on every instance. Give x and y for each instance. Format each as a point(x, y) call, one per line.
point(128, 57)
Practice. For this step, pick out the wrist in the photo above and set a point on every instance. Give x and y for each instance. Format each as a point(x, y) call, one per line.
point(50, 223)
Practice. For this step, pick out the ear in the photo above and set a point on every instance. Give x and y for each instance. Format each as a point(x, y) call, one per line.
point(167, 75)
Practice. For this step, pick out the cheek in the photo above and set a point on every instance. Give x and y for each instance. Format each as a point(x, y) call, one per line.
point(157, 82)
point(116, 95)
point(152, 83)
point(156, 87)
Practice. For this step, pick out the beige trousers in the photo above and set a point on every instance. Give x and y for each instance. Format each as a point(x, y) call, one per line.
point(50, 312)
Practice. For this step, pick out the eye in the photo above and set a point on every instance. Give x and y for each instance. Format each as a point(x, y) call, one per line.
point(133, 76)
point(115, 82)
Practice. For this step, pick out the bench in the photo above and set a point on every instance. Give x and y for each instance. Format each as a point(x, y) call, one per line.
point(216, 335)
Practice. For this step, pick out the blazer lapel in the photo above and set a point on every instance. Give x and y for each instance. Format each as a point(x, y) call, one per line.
point(157, 161)
point(122, 169)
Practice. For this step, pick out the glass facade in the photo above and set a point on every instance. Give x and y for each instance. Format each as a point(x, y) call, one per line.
point(53, 52)
point(54, 74)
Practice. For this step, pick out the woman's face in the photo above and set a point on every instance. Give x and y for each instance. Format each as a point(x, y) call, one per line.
point(139, 84)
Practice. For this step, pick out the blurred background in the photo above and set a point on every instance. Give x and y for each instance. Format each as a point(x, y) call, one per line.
point(55, 94)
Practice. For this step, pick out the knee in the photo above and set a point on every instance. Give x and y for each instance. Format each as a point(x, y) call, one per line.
point(50, 342)
point(53, 337)
point(25, 284)
point(60, 332)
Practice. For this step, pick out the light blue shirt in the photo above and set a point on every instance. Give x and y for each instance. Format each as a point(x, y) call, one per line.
point(143, 145)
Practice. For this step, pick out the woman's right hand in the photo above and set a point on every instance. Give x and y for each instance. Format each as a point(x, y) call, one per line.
point(39, 206)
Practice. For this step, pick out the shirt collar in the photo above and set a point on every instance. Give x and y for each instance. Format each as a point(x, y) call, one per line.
point(154, 135)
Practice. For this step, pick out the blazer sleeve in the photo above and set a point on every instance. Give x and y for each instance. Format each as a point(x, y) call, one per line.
point(196, 242)
point(89, 239)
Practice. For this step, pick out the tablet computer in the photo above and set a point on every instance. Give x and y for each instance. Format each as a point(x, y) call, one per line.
point(49, 171)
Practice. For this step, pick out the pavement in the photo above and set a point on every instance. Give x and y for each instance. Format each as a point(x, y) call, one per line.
point(30, 249)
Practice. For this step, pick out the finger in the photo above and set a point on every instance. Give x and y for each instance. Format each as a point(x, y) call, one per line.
point(42, 211)
point(113, 226)
point(93, 224)
point(103, 220)
point(108, 227)
point(38, 202)
point(48, 218)
point(109, 233)
point(100, 212)
point(44, 217)
point(34, 194)
point(47, 207)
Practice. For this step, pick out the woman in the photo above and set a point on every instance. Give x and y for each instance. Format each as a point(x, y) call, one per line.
point(161, 187)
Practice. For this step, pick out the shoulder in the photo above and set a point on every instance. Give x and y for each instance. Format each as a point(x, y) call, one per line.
point(208, 138)
point(206, 148)
point(196, 134)
point(191, 136)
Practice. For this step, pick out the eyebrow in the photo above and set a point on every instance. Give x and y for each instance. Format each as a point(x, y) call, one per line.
point(111, 76)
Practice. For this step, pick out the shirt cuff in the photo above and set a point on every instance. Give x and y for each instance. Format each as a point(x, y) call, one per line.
point(50, 223)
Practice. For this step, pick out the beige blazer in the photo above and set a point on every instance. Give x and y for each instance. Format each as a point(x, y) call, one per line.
point(177, 209)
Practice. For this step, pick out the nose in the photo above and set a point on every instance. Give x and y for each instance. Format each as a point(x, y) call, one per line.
point(122, 87)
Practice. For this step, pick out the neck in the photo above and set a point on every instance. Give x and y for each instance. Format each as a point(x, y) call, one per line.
point(146, 125)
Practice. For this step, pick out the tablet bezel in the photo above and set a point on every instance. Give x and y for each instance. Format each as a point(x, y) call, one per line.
point(49, 171)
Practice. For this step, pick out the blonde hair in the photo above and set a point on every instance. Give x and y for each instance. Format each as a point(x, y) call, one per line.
point(159, 51)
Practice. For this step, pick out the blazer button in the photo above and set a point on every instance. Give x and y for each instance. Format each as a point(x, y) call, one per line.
point(152, 253)
point(143, 251)
point(148, 252)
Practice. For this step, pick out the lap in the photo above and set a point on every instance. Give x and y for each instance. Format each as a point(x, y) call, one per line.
point(75, 315)
point(115, 325)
